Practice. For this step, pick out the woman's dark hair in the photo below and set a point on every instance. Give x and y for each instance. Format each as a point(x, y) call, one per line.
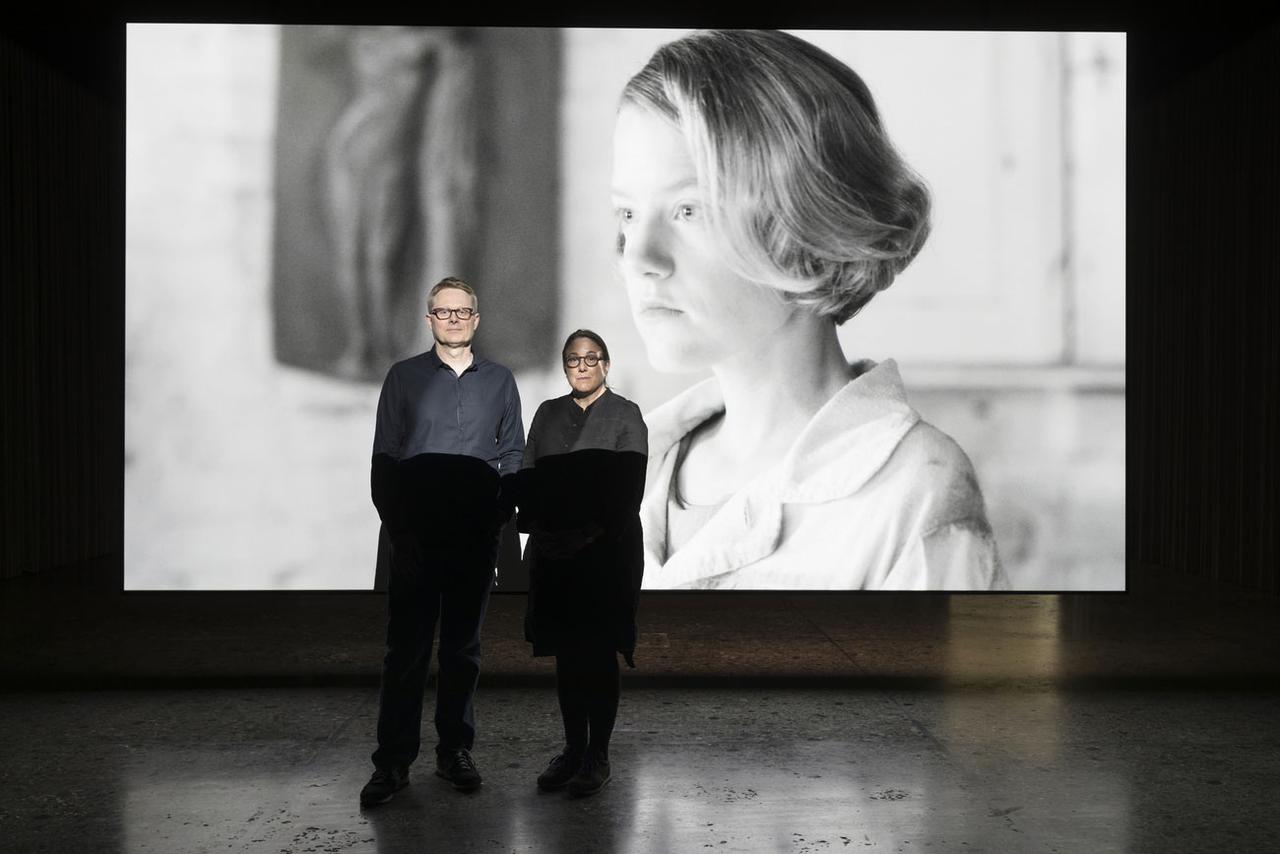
point(586, 333)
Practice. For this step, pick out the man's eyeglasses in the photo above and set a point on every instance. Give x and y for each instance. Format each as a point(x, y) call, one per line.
point(591, 359)
point(443, 313)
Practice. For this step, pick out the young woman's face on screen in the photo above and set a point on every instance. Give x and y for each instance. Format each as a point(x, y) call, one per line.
point(690, 308)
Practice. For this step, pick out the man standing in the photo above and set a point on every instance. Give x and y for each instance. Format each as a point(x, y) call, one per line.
point(449, 438)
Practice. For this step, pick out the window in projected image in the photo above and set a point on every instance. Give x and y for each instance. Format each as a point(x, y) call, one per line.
point(873, 315)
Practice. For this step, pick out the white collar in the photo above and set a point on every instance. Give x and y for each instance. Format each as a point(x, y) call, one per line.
point(841, 448)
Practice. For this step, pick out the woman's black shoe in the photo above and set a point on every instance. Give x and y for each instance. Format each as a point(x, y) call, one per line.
point(560, 771)
point(592, 774)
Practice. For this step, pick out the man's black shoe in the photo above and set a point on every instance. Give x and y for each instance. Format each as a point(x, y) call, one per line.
point(592, 774)
point(458, 768)
point(383, 785)
point(560, 771)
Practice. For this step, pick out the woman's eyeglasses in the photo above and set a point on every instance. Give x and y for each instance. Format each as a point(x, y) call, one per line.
point(591, 359)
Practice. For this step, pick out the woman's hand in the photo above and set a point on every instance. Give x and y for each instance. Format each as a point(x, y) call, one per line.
point(566, 543)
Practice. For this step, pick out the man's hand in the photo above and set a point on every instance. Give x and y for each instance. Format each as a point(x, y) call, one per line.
point(501, 516)
point(406, 545)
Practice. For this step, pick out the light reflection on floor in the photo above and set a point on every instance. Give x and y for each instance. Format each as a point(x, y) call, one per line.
point(998, 724)
point(695, 770)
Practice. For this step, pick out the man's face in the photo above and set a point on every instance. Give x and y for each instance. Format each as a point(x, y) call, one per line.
point(453, 331)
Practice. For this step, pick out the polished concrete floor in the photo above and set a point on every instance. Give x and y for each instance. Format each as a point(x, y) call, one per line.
point(1139, 722)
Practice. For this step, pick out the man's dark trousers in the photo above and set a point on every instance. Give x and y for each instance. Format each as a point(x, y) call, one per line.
point(449, 585)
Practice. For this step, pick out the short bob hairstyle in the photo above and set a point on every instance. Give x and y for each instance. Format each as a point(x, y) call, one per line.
point(806, 193)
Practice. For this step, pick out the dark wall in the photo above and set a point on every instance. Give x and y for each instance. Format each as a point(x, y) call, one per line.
point(1203, 264)
point(61, 299)
point(1204, 270)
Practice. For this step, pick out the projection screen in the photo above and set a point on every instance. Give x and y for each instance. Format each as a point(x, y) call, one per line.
point(292, 192)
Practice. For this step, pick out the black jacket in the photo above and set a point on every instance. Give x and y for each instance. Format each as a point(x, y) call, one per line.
point(579, 492)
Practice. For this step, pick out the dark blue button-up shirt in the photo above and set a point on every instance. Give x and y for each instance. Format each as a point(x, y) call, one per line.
point(425, 408)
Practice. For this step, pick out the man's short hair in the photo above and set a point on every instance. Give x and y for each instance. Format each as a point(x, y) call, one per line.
point(457, 284)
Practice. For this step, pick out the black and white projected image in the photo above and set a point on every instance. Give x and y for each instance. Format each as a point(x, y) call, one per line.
point(894, 359)
point(745, 237)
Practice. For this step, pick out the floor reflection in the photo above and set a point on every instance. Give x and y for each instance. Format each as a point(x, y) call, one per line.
point(967, 769)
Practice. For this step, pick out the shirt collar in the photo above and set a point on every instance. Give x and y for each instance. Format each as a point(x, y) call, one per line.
point(842, 446)
point(433, 358)
point(570, 401)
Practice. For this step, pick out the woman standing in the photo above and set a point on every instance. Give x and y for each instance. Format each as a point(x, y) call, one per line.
point(580, 488)
point(760, 203)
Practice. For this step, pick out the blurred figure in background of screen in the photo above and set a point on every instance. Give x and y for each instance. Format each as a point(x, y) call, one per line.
point(760, 203)
point(407, 131)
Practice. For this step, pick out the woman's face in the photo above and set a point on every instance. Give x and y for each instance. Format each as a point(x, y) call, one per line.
point(584, 379)
point(690, 308)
